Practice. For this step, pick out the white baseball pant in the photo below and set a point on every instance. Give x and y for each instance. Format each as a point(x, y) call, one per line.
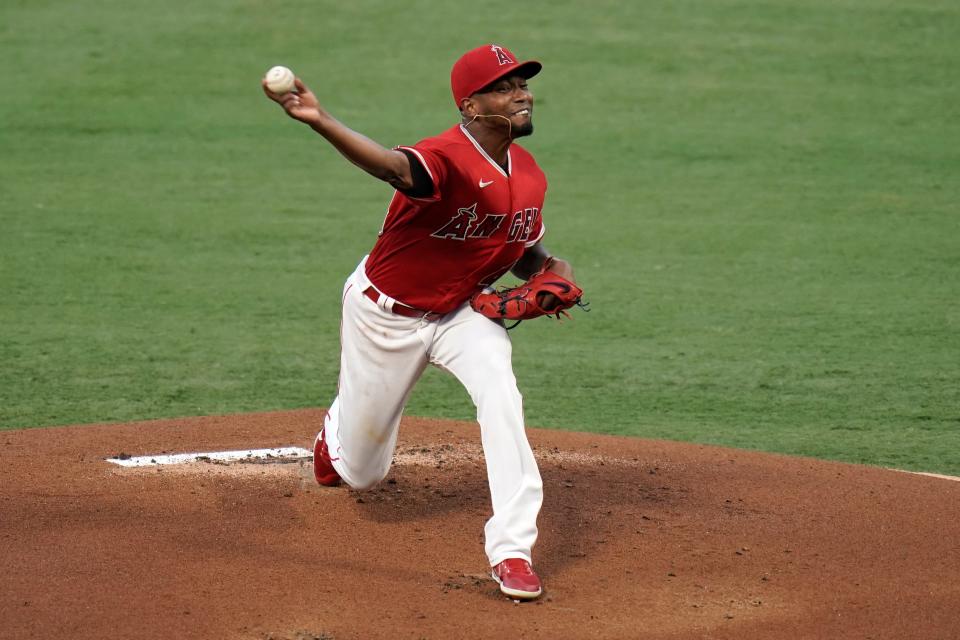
point(383, 355)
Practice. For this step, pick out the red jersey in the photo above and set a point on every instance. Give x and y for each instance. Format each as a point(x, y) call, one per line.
point(434, 253)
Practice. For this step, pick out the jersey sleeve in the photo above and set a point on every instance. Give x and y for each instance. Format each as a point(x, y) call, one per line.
point(433, 162)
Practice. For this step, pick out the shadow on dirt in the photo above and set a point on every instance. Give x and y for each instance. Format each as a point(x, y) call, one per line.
point(586, 504)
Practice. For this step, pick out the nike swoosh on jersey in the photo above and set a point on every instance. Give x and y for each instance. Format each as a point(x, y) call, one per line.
point(485, 184)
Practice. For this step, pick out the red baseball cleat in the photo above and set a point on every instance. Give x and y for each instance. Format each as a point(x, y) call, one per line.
point(323, 469)
point(517, 579)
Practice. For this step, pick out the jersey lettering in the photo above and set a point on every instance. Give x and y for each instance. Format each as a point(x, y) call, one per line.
point(488, 226)
point(458, 226)
point(522, 225)
point(502, 57)
point(528, 217)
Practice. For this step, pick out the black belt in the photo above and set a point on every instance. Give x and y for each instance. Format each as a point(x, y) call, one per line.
point(404, 310)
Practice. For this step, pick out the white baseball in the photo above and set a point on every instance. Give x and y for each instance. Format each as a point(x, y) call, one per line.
point(280, 80)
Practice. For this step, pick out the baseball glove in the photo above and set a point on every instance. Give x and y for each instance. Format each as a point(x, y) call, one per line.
point(544, 294)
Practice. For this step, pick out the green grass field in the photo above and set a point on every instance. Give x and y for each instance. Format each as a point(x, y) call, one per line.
point(760, 198)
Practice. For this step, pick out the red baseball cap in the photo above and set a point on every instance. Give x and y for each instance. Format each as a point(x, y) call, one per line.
point(479, 67)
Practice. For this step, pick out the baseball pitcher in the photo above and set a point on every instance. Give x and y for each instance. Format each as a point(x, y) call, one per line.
point(467, 209)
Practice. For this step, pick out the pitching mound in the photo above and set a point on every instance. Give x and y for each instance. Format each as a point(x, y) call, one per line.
point(638, 539)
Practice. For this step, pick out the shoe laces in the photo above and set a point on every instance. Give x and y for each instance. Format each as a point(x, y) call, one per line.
point(516, 566)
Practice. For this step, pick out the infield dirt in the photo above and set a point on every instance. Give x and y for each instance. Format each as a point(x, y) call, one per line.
point(639, 539)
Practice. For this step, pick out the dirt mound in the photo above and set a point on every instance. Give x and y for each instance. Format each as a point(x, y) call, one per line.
point(638, 539)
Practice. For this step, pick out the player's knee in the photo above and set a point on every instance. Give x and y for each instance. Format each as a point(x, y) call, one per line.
point(366, 479)
point(497, 365)
point(501, 393)
point(362, 485)
point(503, 382)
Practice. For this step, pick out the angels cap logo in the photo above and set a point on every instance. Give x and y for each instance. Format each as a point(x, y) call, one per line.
point(483, 65)
point(502, 57)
